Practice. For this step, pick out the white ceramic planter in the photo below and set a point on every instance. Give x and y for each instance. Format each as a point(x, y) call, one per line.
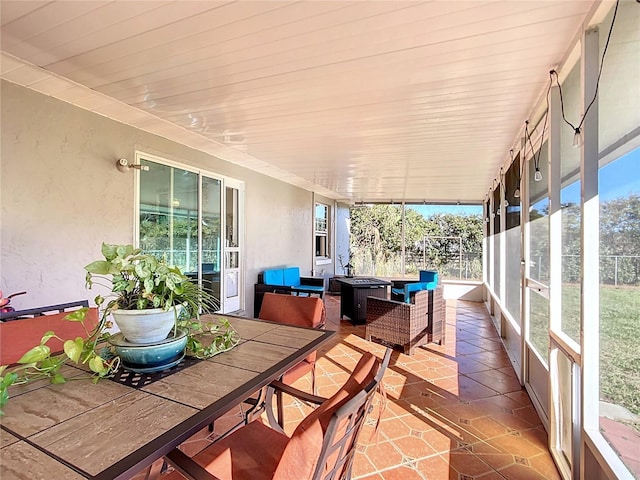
point(146, 326)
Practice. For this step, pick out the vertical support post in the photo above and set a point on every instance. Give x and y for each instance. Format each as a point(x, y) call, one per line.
point(460, 257)
point(590, 285)
point(403, 247)
point(557, 380)
point(555, 212)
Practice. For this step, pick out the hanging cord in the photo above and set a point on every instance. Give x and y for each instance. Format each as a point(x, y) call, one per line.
point(595, 94)
point(527, 134)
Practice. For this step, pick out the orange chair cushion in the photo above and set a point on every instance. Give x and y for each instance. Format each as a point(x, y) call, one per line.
point(298, 311)
point(256, 451)
point(301, 454)
point(299, 370)
point(292, 310)
point(17, 337)
point(251, 453)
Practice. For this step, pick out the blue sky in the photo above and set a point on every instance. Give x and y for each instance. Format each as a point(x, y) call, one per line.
point(620, 177)
point(616, 180)
point(428, 210)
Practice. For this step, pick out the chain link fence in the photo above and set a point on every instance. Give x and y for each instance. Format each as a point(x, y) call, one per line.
point(614, 269)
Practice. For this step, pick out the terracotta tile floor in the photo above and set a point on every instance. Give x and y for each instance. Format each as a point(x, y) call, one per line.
point(454, 412)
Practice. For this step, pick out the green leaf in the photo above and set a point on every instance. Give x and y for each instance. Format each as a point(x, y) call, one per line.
point(148, 284)
point(99, 267)
point(77, 315)
point(4, 397)
point(142, 271)
point(47, 335)
point(73, 348)
point(8, 380)
point(58, 378)
point(36, 354)
point(47, 364)
point(97, 365)
point(109, 251)
point(122, 286)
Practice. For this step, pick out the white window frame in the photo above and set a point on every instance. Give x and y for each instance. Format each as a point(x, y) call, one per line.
point(325, 233)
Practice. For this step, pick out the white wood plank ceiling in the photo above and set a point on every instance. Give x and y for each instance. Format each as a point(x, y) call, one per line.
point(356, 100)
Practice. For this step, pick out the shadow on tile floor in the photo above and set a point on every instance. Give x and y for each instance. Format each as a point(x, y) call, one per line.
point(455, 411)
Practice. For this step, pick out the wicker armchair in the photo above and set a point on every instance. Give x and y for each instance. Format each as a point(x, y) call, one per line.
point(408, 324)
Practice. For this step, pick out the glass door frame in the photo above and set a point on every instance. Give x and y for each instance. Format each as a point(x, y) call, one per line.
point(227, 250)
point(224, 182)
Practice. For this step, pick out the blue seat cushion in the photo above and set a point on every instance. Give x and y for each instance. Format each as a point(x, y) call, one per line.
point(430, 277)
point(291, 276)
point(274, 277)
point(309, 288)
point(412, 287)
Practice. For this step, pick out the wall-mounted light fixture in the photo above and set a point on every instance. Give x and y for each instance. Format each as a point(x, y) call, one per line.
point(123, 165)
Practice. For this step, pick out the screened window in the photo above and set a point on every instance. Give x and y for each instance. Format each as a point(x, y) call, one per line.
point(512, 239)
point(539, 251)
point(619, 222)
point(496, 241)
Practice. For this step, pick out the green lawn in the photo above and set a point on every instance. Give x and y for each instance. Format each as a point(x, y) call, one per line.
point(619, 338)
point(619, 346)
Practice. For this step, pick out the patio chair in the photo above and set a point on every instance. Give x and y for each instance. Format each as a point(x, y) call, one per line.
point(21, 334)
point(299, 311)
point(321, 447)
point(407, 324)
point(290, 310)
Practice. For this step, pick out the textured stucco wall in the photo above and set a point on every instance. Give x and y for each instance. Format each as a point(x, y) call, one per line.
point(61, 196)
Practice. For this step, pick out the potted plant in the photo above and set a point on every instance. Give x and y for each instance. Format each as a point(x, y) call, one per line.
point(149, 293)
point(139, 282)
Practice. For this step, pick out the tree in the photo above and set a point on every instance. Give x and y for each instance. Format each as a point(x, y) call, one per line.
point(620, 235)
point(376, 239)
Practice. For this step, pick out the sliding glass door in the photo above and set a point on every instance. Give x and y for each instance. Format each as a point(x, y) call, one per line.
point(182, 217)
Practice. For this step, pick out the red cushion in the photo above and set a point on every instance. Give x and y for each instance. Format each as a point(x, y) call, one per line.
point(19, 336)
point(250, 453)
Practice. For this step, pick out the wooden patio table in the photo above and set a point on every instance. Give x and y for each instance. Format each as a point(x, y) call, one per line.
point(117, 427)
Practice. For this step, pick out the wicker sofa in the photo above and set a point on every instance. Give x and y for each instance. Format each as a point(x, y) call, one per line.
point(408, 324)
